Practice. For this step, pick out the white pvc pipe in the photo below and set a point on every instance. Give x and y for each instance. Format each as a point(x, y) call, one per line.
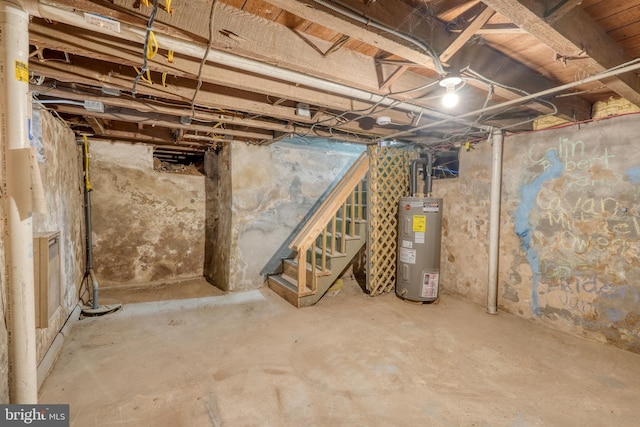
point(494, 222)
point(131, 33)
point(14, 91)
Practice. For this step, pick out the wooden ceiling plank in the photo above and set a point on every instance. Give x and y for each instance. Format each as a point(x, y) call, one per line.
point(71, 74)
point(619, 20)
point(118, 51)
point(393, 77)
point(159, 141)
point(96, 125)
point(456, 8)
point(562, 8)
point(500, 29)
point(262, 40)
point(149, 107)
point(127, 116)
point(466, 34)
point(570, 35)
point(315, 12)
point(129, 16)
point(481, 58)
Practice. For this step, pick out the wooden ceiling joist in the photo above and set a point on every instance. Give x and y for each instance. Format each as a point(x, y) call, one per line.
point(466, 34)
point(158, 120)
point(570, 35)
point(393, 12)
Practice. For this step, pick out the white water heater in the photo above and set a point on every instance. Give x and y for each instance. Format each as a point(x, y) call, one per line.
point(419, 233)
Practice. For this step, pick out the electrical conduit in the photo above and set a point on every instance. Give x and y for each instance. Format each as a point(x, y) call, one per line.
point(87, 206)
point(14, 102)
point(494, 222)
point(127, 32)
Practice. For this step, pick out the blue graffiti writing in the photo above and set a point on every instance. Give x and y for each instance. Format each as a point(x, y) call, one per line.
point(578, 284)
point(523, 227)
point(633, 174)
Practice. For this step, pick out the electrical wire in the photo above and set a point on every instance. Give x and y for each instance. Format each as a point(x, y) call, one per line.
point(204, 58)
point(144, 69)
point(356, 15)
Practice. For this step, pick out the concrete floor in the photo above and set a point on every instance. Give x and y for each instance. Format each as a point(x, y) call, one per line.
point(182, 289)
point(251, 359)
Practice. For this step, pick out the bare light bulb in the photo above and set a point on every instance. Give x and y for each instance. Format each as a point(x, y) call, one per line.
point(450, 99)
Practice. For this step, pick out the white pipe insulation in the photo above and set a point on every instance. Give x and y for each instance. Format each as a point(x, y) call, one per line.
point(127, 32)
point(494, 221)
point(14, 104)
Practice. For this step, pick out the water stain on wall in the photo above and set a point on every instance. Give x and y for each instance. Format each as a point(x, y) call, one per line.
point(148, 226)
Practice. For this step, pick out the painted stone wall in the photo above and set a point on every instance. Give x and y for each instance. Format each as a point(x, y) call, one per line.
point(148, 226)
point(570, 233)
point(60, 160)
point(273, 189)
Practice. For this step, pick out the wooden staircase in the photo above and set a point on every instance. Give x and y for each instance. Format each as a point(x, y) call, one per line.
point(327, 242)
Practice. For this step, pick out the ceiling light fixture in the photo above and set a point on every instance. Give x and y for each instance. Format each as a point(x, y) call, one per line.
point(383, 120)
point(450, 98)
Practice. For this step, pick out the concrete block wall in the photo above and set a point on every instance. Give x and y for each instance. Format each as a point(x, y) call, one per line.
point(570, 229)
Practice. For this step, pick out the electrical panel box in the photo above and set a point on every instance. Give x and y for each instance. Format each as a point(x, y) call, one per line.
point(47, 275)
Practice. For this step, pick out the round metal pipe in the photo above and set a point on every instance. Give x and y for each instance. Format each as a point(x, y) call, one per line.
point(14, 100)
point(494, 222)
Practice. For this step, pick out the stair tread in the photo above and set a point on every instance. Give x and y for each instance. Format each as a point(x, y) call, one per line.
point(288, 283)
point(347, 236)
point(294, 263)
point(357, 221)
point(330, 254)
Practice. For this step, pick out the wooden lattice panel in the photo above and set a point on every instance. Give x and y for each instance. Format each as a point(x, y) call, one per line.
point(388, 181)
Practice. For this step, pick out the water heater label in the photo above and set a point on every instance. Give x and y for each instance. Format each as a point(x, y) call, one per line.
point(431, 207)
point(408, 255)
point(429, 285)
point(419, 223)
point(407, 244)
point(419, 237)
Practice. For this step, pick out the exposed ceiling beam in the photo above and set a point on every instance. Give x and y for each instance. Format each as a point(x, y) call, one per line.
point(96, 125)
point(84, 43)
point(151, 107)
point(115, 78)
point(483, 59)
point(571, 35)
point(316, 12)
point(157, 120)
point(456, 8)
point(158, 137)
point(497, 29)
point(281, 48)
point(466, 34)
point(562, 8)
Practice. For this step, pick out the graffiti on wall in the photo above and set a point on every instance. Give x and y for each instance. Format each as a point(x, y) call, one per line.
point(578, 226)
